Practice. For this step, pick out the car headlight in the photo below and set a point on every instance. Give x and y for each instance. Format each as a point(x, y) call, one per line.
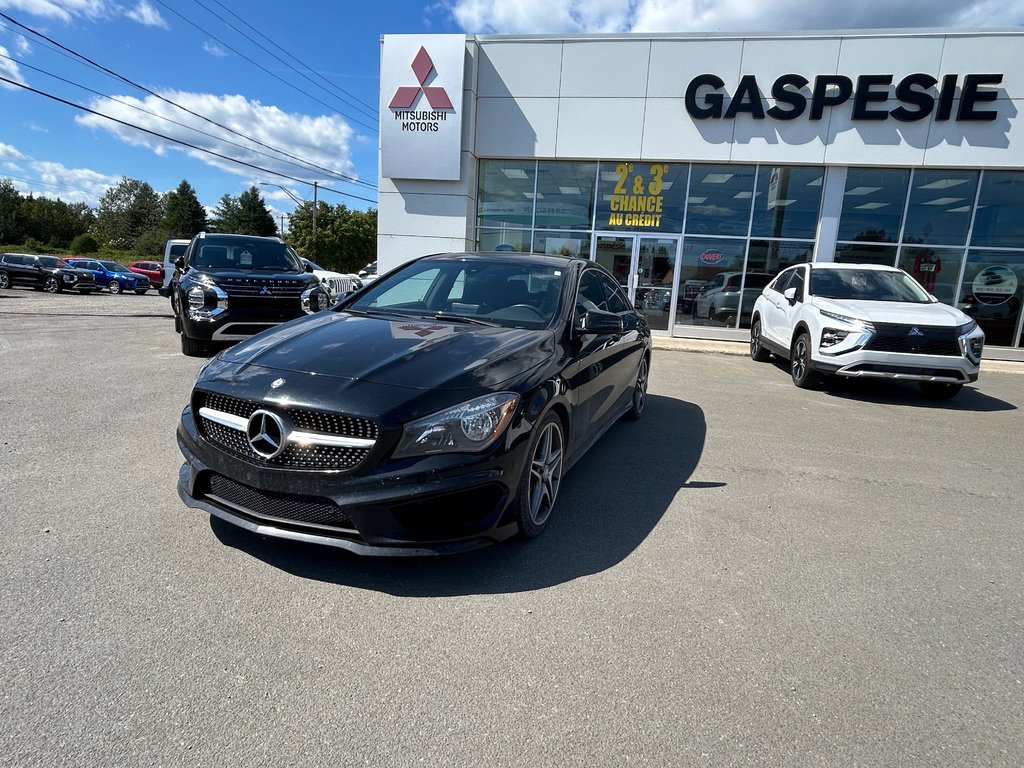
point(966, 328)
point(315, 298)
point(206, 300)
point(68, 278)
point(832, 336)
point(466, 428)
point(844, 319)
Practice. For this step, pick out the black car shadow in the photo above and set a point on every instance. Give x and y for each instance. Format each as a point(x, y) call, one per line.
point(608, 505)
point(906, 393)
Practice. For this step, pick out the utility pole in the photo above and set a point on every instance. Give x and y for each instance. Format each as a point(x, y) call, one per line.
point(314, 218)
point(282, 225)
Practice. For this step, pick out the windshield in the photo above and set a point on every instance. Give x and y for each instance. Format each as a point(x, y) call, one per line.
point(519, 294)
point(113, 266)
point(52, 262)
point(866, 285)
point(314, 265)
point(212, 253)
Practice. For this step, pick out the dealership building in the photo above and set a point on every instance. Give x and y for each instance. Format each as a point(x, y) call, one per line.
point(686, 163)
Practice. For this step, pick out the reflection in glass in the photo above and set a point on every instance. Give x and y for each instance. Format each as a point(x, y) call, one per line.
point(940, 207)
point(999, 220)
point(866, 253)
point(506, 193)
point(565, 195)
point(873, 204)
point(991, 293)
point(656, 268)
point(641, 197)
point(562, 243)
point(703, 260)
point(503, 240)
point(765, 259)
point(615, 254)
point(936, 269)
point(719, 200)
point(787, 201)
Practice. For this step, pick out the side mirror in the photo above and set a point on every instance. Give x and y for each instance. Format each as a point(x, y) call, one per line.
point(599, 322)
point(309, 268)
point(790, 295)
point(180, 262)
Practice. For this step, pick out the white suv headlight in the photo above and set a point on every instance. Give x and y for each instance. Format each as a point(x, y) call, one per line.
point(469, 427)
point(844, 319)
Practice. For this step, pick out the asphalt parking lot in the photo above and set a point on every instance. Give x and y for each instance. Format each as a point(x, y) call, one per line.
point(752, 575)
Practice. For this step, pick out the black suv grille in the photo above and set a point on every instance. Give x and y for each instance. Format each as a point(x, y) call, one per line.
point(278, 289)
point(928, 339)
point(309, 457)
point(311, 510)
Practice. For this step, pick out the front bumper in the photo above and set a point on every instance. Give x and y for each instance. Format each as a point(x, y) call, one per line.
point(236, 325)
point(895, 365)
point(437, 505)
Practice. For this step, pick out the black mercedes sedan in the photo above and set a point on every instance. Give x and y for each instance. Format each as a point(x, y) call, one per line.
point(435, 410)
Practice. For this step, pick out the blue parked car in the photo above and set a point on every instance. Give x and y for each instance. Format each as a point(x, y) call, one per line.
point(113, 276)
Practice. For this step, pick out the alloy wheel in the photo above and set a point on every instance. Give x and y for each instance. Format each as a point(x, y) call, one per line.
point(5, 280)
point(545, 473)
point(799, 359)
point(51, 285)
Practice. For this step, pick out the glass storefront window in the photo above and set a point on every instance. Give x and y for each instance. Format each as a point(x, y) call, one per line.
point(719, 200)
point(999, 221)
point(503, 240)
point(787, 201)
point(866, 253)
point(775, 255)
point(992, 292)
point(562, 243)
point(706, 267)
point(565, 195)
point(873, 205)
point(506, 193)
point(940, 207)
point(936, 269)
point(641, 197)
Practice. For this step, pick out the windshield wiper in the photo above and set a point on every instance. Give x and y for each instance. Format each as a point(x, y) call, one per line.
point(463, 319)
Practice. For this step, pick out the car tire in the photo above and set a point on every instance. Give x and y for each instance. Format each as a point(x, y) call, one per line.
point(800, 362)
point(192, 347)
point(542, 477)
point(114, 287)
point(639, 399)
point(758, 352)
point(51, 285)
point(939, 390)
point(5, 280)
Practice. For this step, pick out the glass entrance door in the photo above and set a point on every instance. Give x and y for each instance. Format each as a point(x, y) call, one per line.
point(645, 267)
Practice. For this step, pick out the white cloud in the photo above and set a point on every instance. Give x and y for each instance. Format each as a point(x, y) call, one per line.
point(147, 15)
point(52, 180)
point(324, 141)
point(92, 10)
point(10, 70)
point(7, 152)
point(571, 16)
point(22, 44)
point(213, 49)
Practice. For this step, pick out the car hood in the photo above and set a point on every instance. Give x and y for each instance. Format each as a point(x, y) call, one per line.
point(413, 353)
point(905, 313)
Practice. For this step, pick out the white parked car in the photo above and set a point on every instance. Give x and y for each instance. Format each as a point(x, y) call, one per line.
point(336, 283)
point(864, 320)
point(369, 273)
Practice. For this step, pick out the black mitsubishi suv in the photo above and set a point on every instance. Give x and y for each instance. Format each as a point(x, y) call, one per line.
point(44, 273)
point(229, 287)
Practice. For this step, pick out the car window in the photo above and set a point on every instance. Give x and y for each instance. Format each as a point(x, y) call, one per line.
point(590, 294)
point(408, 294)
point(866, 285)
point(613, 295)
point(779, 283)
point(798, 282)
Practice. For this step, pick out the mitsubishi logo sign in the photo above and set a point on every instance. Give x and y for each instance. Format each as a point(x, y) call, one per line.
point(420, 121)
point(406, 95)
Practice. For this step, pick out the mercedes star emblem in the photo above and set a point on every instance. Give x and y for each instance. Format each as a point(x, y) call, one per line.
point(276, 383)
point(266, 434)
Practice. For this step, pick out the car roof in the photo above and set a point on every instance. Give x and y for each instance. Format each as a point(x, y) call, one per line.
point(234, 236)
point(508, 257)
point(872, 267)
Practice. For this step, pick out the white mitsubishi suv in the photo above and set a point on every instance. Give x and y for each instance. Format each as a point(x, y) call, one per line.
point(864, 320)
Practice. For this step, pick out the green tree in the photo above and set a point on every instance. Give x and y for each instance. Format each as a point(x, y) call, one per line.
point(225, 215)
point(84, 244)
point(184, 215)
point(346, 240)
point(253, 216)
point(11, 230)
point(54, 222)
point(126, 211)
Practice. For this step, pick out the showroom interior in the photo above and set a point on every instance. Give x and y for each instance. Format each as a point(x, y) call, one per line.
point(663, 158)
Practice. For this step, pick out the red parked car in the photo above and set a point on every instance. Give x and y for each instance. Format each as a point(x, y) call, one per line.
point(154, 270)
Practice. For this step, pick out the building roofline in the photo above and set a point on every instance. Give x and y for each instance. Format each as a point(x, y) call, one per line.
point(760, 35)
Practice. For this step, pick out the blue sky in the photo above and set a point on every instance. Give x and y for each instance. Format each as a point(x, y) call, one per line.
point(181, 51)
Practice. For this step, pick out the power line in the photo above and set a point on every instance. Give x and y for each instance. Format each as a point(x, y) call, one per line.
point(72, 104)
point(304, 166)
point(144, 89)
point(352, 101)
point(260, 66)
point(62, 187)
